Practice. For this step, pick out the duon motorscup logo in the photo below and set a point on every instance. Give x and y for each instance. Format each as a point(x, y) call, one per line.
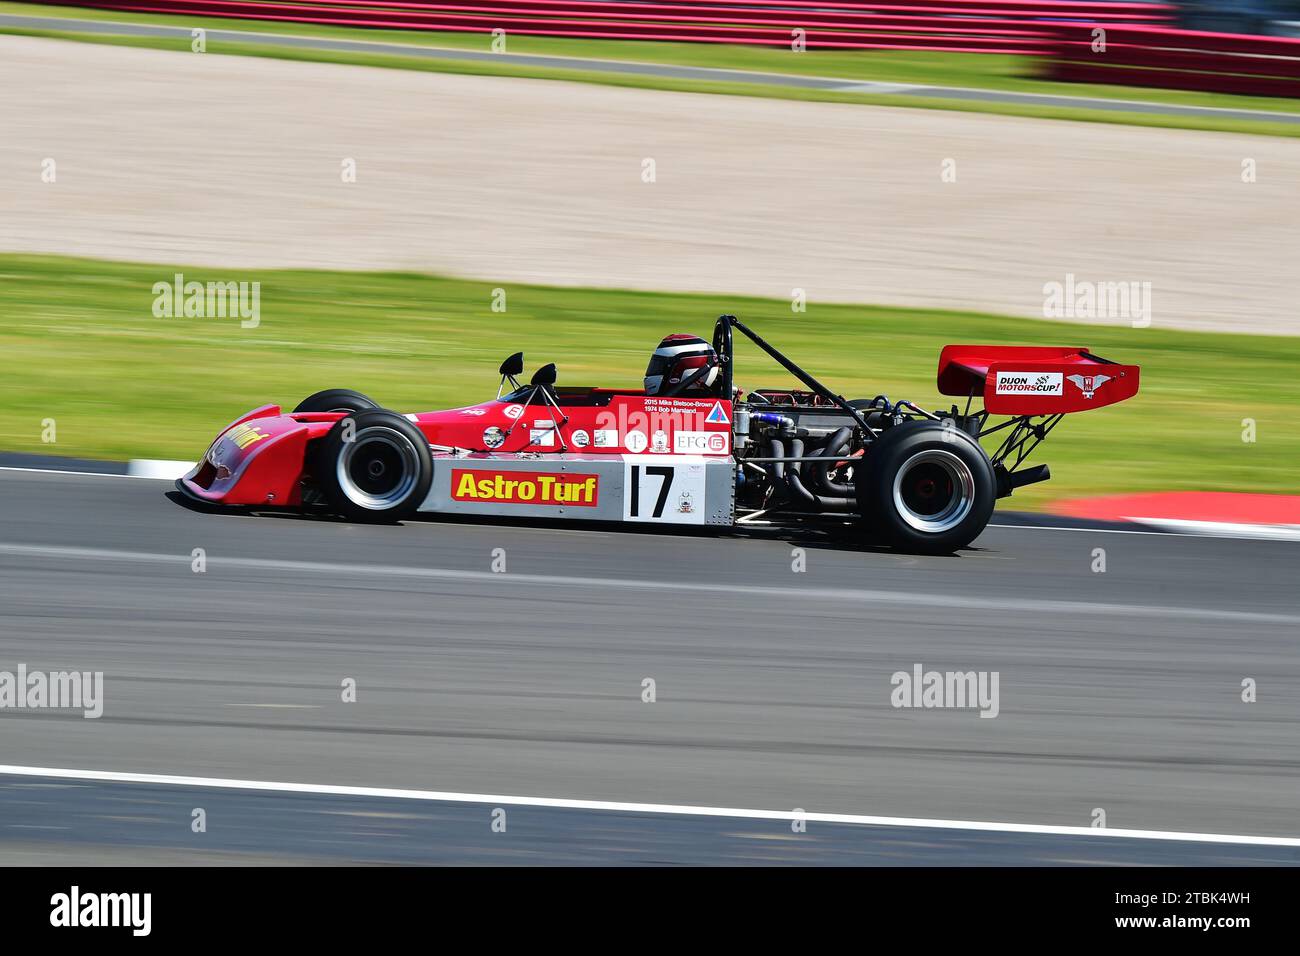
point(1028, 383)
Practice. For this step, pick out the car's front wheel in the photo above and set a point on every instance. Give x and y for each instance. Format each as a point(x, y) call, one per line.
point(926, 488)
point(336, 400)
point(374, 466)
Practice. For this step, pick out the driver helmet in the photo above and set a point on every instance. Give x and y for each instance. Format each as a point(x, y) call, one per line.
point(677, 357)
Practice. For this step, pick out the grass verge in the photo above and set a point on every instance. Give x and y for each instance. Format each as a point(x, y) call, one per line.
point(81, 347)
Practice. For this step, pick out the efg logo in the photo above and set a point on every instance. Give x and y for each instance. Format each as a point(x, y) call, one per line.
point(75, 908)
point(1030, 383)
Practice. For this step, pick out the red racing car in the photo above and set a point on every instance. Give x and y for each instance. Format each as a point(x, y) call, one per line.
point(689, 448)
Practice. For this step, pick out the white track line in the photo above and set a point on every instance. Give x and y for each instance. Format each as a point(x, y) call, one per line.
point(216, 562)
point(1189, 529)
point(79, 474)
point(1225, 529)
point(1054, 527)
point(167, 468)
point(563, 803)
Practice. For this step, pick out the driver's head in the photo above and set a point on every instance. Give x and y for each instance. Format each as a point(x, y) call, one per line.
point(677, 358)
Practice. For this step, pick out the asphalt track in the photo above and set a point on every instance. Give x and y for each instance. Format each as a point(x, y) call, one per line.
point(632, 68)
point(1119, 690)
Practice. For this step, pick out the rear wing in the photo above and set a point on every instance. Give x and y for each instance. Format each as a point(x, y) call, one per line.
point(1032, 380)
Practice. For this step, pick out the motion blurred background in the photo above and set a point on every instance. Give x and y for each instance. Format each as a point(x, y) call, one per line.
point(1046, 141)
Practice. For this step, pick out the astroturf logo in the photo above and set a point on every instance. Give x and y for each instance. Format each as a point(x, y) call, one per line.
point(75, 909)
point(56, 690)
point(210, 300)
point(524, 488)
point(947, 689)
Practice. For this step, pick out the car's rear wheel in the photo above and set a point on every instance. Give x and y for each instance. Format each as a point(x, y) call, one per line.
point(337, 400)
point(926, 488)
point(374, 466)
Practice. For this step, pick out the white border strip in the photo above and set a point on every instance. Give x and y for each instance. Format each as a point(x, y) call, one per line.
point(563, 803)
point(1224, 529)
point(65, 471)
point(158, 468)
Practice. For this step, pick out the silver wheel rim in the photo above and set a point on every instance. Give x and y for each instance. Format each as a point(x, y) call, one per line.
point(378, 469)
point(934, 491)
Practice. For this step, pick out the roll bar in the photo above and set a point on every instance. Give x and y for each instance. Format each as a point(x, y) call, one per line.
point(723, 344)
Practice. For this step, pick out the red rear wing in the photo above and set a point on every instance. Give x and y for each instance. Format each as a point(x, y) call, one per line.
point(1031, 380)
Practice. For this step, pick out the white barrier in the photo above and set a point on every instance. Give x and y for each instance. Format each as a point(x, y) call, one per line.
point(157, 468)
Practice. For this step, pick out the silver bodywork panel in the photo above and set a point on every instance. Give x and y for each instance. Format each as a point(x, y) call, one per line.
point(656, 489)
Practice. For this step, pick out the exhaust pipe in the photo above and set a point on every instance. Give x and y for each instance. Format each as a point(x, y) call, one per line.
point(1009, 481)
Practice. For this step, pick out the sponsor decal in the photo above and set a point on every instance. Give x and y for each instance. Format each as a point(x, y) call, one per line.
point(605, 438)
point(1088, 384)
point(636, 442)
point(473, 411)
point(493, 437)
point(664, 489)
point(717, 416)
point(543, 437)
point(701, 443)
point(514, 411)
point(660, 442)
point(245, 435)
point(581, 439)
point(1029, 383)
point(524, 488)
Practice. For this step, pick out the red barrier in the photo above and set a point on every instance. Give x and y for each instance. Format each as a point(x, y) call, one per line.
point(935, 37)
point(1178, 59)
point(932, 36)
point(986, 19)
point(969, 26)
point(801, 11)
point(1141, 48)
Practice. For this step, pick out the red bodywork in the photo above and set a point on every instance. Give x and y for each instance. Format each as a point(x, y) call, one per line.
point(1031, 380)
point(262, 457)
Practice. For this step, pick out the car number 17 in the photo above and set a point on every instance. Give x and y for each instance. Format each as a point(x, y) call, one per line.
point(664, 490)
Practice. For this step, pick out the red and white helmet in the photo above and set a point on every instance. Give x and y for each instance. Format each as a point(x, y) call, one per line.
point(677, 357)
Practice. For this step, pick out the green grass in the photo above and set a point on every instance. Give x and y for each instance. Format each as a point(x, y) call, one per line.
point(80, 345)
point(995, 72)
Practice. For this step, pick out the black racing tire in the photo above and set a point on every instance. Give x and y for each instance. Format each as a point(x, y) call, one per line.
point(926, 488)
point(337, 400)
point(373, 466)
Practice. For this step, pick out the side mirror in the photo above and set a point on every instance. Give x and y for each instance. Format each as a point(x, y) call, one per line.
point(545, 375)
point(512, 366)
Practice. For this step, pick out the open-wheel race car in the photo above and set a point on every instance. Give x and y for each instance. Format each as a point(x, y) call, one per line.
point(690, 448)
